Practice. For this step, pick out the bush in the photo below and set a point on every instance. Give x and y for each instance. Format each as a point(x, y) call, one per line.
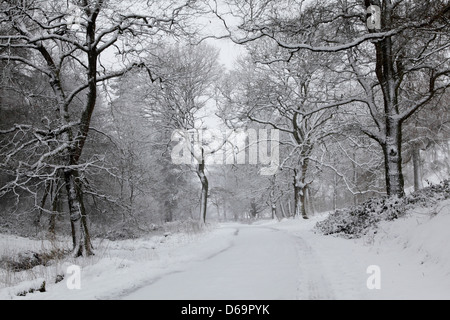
point(30, 259)
point(33, 290)
point(356, 221)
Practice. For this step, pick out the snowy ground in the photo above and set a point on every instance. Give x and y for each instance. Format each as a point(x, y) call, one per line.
point(266, 260)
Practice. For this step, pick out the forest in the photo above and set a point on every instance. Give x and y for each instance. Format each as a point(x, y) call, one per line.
point(347, 99)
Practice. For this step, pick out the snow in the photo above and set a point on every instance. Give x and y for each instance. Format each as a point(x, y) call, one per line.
point(263, 261)
point(120, 266)
point(253, 267)
point(412, 253)
point(23, 287)
point(422, 236)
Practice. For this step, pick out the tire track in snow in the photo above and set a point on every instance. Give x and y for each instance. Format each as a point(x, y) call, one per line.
point(313, 284)
point(312, 281)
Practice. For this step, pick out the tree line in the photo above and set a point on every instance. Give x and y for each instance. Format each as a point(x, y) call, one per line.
point(92, 91)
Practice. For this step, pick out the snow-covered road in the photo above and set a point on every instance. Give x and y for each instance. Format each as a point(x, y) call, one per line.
point(262, 263)
point(258, 265)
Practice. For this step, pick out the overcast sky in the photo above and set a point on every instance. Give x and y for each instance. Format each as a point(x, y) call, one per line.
point(212, 26)
point(229, 52)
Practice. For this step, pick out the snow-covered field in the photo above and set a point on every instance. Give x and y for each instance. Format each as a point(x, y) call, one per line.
point(265, 260)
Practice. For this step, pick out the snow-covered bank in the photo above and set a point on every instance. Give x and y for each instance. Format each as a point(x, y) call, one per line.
point(412, 253)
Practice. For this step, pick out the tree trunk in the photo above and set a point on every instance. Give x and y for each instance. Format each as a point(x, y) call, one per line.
point(56, 207)
point(393, 161)
point(52, 227)
point(300, 206)
point(335, 193)
point(168, 210)
point(303, 207)
point(297, 203)
point(80, 234)
point(204, 196)
point(299, 190)
point(47, 191)
point(290, 208)
point(310, 201)
point(355, 179)
point(283, 211)
point(417, 167)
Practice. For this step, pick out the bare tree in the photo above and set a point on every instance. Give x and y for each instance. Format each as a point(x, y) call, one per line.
point(410, 40)
point(179, 98)
point(279, 96)
point(426, 130)
point(77, 35)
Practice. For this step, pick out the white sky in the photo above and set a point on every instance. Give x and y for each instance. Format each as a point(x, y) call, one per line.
point(213, 26)
point(229, 52)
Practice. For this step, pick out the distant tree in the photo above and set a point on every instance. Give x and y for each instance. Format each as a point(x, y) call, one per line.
point(279, 96)
point(427, 129)
point(186, 84)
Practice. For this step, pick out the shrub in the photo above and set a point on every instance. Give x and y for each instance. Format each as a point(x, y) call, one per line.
point(29, 259)
point(356, 221)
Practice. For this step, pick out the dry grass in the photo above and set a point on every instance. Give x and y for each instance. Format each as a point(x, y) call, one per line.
point(22, 259)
